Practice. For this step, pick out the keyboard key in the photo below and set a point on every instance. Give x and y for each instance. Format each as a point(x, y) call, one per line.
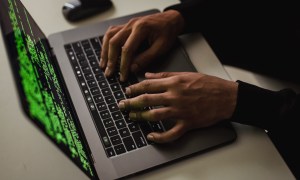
point(92, 83)
point(156, 127)
point(104, 114)
point(120, 124)
point(119, 149)
point(109, 99)
point(77, 47)
point(119, 95)
point(110, 152)
point(95, 91)
point(108, 122)
point(113, 107)
point(139, 139)
point(133, 127)
point(101, 106)
point(103, 84)
point(112, 131)
point(98, 98)
point(129, 143)
point(100, 77)
point(124, 132)
point(115, 87)
point(95, 43)
point(116, 140)
point(106, 141)
point(89, 76)
point(106, 92)
point(116, 115)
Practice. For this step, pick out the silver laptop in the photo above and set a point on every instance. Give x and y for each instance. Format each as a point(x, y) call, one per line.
point(64, 92)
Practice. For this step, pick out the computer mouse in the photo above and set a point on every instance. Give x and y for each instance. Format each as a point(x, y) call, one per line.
point(78, 10)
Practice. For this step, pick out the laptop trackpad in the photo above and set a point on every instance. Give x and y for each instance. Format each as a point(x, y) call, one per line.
point(176, 60)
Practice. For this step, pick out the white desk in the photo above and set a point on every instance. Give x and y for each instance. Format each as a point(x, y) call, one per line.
point(27, 154)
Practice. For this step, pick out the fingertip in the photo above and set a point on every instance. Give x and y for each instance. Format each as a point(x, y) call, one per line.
point(101, 64)
point(108, 71)
point(157, 137)
point(150, 137)
point(123, 77)
point(149, 74)
point(121, 105)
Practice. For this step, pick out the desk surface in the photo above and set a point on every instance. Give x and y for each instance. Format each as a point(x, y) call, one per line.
point(27, 154)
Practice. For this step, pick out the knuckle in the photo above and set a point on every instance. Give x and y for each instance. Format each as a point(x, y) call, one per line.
point(163, 74)
point(133, 20)
point(113, 42)
point(110, 32)
point(155, 115)
point(141, 24)
point(146, 83)
point(144, 99)
point(110, 64)
point(125, 50)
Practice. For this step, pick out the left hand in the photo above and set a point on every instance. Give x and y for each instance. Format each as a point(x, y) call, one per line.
point(194, 100)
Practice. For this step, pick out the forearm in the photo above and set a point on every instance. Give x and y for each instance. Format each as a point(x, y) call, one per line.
point(200, 15)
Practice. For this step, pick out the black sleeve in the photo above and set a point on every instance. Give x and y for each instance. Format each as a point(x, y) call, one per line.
point(270, 110)
point(190, 11)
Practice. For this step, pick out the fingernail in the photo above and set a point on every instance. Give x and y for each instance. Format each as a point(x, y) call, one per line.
point(148, 74)
point(101, 63)
point(107, 71)
point(127, 91)
point(121, 105)
point(150, 137)
point(121, 77)
point(132, 116)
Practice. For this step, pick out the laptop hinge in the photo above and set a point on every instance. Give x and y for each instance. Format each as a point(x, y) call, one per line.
point(52, 52)
point(92, 158)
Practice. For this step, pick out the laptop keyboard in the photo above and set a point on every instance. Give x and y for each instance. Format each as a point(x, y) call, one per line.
point(117, 132)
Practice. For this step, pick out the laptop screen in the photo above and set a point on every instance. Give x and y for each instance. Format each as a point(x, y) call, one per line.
point(40, 86)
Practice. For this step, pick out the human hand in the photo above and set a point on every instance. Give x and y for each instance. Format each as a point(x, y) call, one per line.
point(158, 30)
point(193, 100)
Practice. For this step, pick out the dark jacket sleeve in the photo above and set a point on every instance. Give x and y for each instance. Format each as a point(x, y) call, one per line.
point(233, 28)
point(270, 110)
point(190, 10)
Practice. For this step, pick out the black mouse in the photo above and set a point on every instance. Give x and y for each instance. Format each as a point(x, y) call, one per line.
point(77, 10)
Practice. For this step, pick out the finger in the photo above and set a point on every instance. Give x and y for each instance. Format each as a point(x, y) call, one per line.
point(174, 133)
point(130, 47)
point(158, 114)
point(114, 50)
point(105, 44)
point(142, 101)
point(147, 86)
point(144, 58)
point(162, 75)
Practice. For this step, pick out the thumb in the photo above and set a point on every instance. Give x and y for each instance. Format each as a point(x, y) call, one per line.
point(168, 136)
point(144, 58)
point(162, 75)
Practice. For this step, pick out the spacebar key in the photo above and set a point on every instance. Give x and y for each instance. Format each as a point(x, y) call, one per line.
point(101, 129)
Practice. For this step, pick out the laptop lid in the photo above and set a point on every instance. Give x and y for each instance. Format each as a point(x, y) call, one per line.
point(41, 88)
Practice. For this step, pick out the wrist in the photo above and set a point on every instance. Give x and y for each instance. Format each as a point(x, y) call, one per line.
point(230, 102)
point(176, 20)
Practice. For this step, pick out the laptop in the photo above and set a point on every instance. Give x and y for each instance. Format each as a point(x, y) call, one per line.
point(65, 94)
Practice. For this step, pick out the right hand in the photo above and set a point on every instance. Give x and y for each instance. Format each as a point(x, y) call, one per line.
point(158, 30)
point(193, 100)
